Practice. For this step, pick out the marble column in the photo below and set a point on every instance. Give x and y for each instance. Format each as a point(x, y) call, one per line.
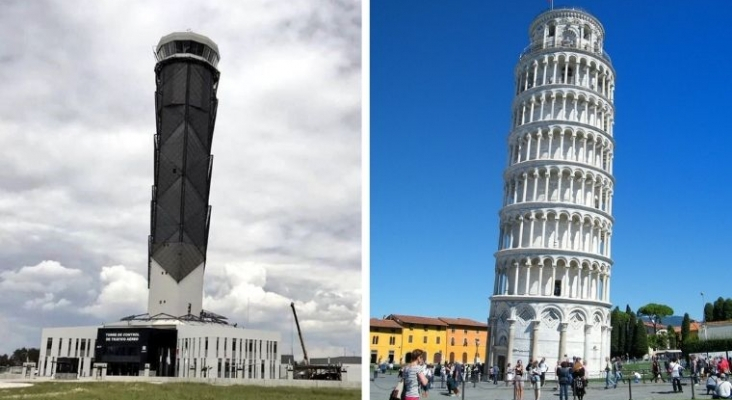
point(588, 333)
point(511, 332)
point(562, 340)
point(535, 340)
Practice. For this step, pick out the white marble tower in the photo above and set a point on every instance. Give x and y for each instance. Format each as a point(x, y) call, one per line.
point(551, 295)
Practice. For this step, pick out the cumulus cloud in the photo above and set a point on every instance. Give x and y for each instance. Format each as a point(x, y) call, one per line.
point(123, 293)
point(77, 123)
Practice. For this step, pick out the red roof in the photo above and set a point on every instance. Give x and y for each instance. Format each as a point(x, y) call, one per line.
point(384, 323)
point(463, 322)
point(411, 319)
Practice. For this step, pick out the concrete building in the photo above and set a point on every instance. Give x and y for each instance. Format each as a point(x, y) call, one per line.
point(551, 295)
point(176, 337)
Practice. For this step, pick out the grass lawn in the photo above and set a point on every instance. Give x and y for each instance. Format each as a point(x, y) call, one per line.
point(172, 391)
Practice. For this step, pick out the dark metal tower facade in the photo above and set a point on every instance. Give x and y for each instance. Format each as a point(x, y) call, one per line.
point(186, 80)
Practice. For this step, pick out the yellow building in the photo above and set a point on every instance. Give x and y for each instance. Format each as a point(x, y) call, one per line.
point(386, 341)
point(428, 334)
point(443, 339)
point(466, 340)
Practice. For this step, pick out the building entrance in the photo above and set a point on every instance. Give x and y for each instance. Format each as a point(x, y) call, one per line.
point(127, 350)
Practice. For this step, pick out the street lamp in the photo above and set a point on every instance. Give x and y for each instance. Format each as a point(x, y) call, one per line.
point(704, 316)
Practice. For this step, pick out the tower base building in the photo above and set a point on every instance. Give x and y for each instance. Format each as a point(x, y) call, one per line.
point(160, 347)
point(551, 297)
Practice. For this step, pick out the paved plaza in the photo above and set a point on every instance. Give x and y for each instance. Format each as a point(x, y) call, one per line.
point(380, 389)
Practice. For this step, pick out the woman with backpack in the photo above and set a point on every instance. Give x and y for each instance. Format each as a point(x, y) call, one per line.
point(578, 373)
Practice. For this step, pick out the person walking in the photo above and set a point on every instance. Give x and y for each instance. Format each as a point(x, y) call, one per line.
point(675, 368)
point(518, 381)
point(429, 374)
point(617, 371)
point(608, 369)
point(535, 376)
point(496, 371)
point(656, 369)
point(543, 368)
point(414, 376)
point(509, 374)
point(564, 375)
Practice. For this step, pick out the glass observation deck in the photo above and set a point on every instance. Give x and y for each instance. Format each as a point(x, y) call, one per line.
point(187, 44)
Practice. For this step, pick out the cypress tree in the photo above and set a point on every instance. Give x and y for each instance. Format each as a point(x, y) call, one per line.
point(719, 309)
point(671, 337)
point(631, 327)
point(615, 332)
point(728, 309)
point(641, 340)
point(685, 330)
point(708, 312)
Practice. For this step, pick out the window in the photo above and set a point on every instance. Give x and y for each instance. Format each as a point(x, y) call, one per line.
point(558, 287)
point(424, 340)
point(465, 331)
point(465, 342)
point(392, 340)
point(453, 330)
point(375, 340)
point(410, 339)
point(438, 340)
point(452, 341)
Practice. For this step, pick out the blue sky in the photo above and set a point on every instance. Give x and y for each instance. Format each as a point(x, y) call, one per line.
point(441, 93)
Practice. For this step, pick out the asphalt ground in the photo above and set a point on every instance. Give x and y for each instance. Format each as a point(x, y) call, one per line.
point(381, 388)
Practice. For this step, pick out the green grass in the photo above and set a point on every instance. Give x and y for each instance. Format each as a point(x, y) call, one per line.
point(171, 391)
point(638, 366)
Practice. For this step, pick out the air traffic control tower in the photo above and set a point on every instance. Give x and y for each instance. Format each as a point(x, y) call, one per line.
point(186, 80)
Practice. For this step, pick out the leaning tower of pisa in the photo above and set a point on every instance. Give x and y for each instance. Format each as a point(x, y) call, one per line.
point(551, 295)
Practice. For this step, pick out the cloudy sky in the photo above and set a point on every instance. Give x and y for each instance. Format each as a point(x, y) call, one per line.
point(76, 128)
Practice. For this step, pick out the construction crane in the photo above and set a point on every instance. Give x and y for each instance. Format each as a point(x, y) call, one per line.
point(299, 333)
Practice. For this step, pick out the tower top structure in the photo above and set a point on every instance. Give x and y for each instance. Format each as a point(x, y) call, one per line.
point(188, 44)
point(571, 28)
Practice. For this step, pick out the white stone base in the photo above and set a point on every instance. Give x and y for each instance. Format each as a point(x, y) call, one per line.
point(530, 327)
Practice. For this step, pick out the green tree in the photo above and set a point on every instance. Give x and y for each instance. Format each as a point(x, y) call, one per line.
point(34, 354)
point(728, 309)
point(640, 345)
point(630, 328)
point(708, 312)
point(672, 342)
point(718, 309)
point(656, 313)
point(622, 334)
point(19, 356)
point(685, 330)
point(615, 332)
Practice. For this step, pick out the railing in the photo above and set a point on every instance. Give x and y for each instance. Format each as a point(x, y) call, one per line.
point(535, 48)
